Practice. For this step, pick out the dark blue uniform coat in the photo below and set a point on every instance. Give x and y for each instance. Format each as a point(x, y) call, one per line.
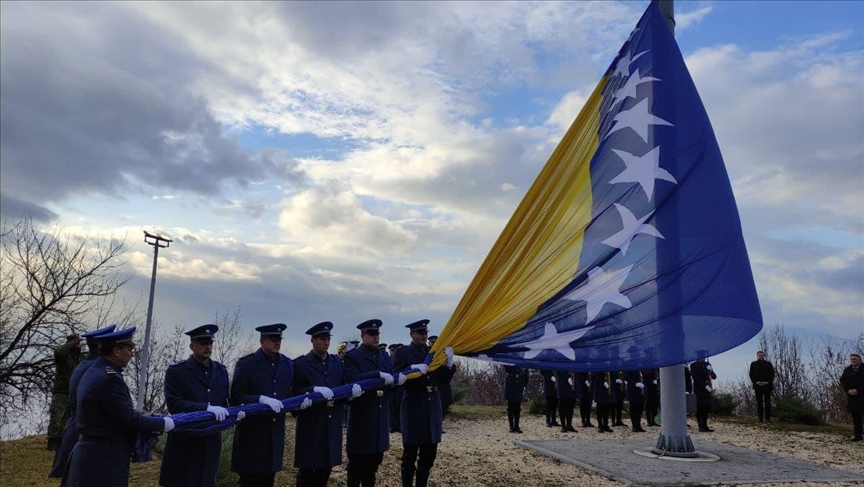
point(421, 403)
point(549, 387)
point(565, 390)
point(652, 390)
point(70, 434)
point(109, 426)
point(259, 440)
point(634, 394)
point(700, 373)
point(318, 441)
point(514, 384)
point(193, 460)
point(584, 390)
point(369, 414)
point(602, 394)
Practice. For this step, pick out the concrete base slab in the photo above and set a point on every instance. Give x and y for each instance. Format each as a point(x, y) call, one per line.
point(619, 460)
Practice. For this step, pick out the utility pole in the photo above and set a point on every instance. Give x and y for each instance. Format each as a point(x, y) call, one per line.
point(674, 440)
point(158, 242)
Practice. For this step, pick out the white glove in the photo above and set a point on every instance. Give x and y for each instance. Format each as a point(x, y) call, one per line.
point(587, 384)
point(324, 391)
point(169, 423)
point(218, 411)
point(606, 385)
point(654, 382)
point(708, 388)
point(640, 385)
point(554, 379)
point(619, 381)
point(401, 378)
point(241, 415)
point(449, 352)
point(356, 391)
point(306, 403)
point(423, 368)
point(388, 379)
point(274, 404)
point(709, 367)
point(570, 380)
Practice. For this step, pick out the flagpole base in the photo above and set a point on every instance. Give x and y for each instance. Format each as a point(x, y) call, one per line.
point(675, 446)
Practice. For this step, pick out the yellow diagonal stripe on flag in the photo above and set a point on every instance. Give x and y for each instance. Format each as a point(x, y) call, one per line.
point(538, 252)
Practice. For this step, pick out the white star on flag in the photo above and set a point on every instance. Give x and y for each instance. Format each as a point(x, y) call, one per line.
point(632, 227)
point(623, 66)
point(553, 340)
point(638, 119)
point(643, 170)
point(601, 288)
point(629, 88)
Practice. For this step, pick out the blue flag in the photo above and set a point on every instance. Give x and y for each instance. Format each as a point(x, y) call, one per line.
point(627, 252)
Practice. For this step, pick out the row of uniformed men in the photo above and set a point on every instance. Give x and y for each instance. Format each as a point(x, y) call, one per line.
point(106, 424)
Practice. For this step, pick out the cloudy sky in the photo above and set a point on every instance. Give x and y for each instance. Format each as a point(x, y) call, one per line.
point(341, 161)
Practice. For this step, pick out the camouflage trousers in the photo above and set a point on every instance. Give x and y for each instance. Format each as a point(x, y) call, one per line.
point(59, 403)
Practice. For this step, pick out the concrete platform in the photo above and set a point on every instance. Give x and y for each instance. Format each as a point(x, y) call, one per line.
point(618, 460)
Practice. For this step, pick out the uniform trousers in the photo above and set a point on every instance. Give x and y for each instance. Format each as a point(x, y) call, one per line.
point(551, 410)
point(585, 409)
point(618, 413)
point(636, 408)
point(256, 480)
point(426, 454)
point(362, 468)
point(565, 410)
point(702, 410)
point(651, 407)
point(313, 477)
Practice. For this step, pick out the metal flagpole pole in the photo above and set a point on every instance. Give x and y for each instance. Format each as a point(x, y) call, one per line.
point(674, 440)
point(157, 241)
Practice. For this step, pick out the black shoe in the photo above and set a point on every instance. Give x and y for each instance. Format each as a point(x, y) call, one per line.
point(855, 438)
point(641, 430)
point(571, 429)
point(554, 423)
point(619, 423)
point(608, 429)
point(517, 430)
point(601, 430)
point(587, 425)
point(564, 429)
point(706, 430)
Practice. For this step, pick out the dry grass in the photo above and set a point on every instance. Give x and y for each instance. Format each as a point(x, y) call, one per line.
point(478, 450)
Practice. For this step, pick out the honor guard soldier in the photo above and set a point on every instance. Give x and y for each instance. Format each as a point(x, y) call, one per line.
point(318, 438)
point(636, 398)
point(601, 385)
point(852, 381)
point(703, 375)
point(263, 377)
point(568, 392)
point(421, 407)
point(106, 419)
point(70, 433)
point(196, 384)
point(514, 391)
point(619, 393)
point(551, 393)
point(369, 415)
point(586, 396)
point(652, 395)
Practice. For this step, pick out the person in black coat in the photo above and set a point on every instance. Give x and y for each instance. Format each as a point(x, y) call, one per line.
point(619, 393)
point(514, 390)
point(70, 433)
point(568, 391)
point(263, 377)
point(703, 386)
point(636, 398)
point(318, 440)
point(106, 419)
point(852, 381)
point(196, 384)
point(762, 377)
point(421, 406)
point(368, 415)
point(550, 391)
point(586, 396)
point(601, 385)
point(652, 395)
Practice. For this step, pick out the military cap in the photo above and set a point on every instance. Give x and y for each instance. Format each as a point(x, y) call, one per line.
point(73, 336)
point(393, 346)
point(433, 338)
point(354, 343)
point(369, 325)
point(203, 332)
point(271, 330)
point(322, 328)
point(382, 346)
point(100, 331)
point(113, 339)
point(418, 325)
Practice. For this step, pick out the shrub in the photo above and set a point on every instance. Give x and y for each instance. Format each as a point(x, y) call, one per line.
point(537, 405)
point(795, 409)
point(724, 404)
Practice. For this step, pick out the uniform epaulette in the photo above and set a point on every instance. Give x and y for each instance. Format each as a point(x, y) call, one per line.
point(110, 371)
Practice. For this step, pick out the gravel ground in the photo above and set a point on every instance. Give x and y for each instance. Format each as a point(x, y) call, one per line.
point(482, 453)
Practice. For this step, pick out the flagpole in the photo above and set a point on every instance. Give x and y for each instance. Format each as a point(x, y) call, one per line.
point(673, 440)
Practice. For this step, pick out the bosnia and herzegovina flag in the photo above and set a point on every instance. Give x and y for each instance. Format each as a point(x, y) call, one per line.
point(627, 251)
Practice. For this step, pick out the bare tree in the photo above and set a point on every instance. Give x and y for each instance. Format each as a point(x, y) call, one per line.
point(231, 342)
point(50, 282)
point(790, 372)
